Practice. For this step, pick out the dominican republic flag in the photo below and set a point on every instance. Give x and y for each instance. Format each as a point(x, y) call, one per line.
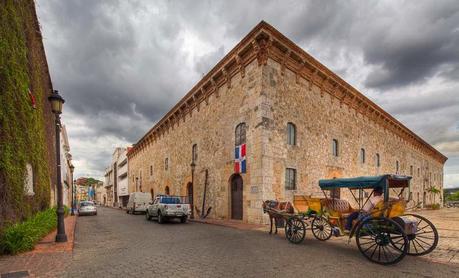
point(239, 159)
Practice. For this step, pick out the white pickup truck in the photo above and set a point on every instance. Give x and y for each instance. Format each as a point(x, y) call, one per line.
point(166, 207)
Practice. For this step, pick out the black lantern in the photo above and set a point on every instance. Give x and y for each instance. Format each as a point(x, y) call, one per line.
point(56, 102)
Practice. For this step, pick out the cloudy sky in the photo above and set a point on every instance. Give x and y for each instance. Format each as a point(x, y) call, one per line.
point(121, 65)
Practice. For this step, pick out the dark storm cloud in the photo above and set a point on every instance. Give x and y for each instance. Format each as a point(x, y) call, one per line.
point(413, 46)
point(121, 65)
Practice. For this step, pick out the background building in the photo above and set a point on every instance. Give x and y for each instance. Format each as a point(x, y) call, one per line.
point(285, 118)
point(116, 181)
point(66, 174)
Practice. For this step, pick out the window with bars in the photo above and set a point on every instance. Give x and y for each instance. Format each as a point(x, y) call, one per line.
point(291, 134)
point(397, 167)
point(166, 163)
point(194, 153)
point(362, 155)
point(335, 147)
point(240, 133)
point(151, 170)
point(290, 179)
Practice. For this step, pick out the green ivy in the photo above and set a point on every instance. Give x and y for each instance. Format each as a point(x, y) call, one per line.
point(22, 128)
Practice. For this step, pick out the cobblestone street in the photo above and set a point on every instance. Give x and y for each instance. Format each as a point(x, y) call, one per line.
point(115, 244)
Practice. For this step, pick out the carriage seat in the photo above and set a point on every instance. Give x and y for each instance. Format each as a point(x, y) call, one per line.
point(338, 207)
point(394, 207)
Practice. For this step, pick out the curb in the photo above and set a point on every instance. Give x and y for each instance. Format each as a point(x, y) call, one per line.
point(227, 225)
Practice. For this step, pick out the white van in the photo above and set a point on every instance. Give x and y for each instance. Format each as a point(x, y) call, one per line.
point(138, 202)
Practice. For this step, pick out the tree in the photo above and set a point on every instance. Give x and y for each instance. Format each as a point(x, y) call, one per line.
point(90, 181)
point(433, 191)
point(453, 196)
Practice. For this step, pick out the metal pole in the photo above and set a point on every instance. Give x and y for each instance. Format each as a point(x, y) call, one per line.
point(204, 197)
point(73, 201)
point(60, 236)
point(192, 186)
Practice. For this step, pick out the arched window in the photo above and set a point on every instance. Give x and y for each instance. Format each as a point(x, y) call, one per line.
point(28, 181)
point(194, 153)
point(240, 134)
point(335, 149)
point(378, 160)
point(166, 190)
point(291, 134)
point(362, 155)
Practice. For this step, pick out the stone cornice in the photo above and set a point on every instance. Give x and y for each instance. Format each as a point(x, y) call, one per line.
point(264, 42)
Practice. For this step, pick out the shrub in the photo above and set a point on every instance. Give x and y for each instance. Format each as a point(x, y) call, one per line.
point(23, 236)
point(435, 206)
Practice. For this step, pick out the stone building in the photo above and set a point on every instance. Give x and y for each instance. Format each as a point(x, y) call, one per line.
point(27, 129)
point(298, 121)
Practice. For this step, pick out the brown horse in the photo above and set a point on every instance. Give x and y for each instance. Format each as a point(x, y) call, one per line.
point(270, 205)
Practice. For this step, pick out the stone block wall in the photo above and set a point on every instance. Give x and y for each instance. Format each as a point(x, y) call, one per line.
point(212, 128)
point(319, 118)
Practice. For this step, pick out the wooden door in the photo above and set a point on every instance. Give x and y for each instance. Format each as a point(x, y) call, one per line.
point(236, 197)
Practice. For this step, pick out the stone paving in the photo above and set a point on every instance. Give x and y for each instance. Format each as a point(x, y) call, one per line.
point(115, 244)
point(447, 223)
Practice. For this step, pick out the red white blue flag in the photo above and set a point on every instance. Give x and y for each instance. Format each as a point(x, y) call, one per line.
point(239, 159)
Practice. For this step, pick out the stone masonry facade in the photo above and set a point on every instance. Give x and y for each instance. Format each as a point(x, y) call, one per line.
point(266, 82)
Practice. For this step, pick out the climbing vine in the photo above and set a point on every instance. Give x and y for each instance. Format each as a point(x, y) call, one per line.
point(22, 127)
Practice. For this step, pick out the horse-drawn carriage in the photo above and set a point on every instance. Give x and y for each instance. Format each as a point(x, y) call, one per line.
point(383, 235)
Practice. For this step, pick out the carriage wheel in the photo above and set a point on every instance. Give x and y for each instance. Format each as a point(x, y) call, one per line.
point(321, 229)
point(295, 230)
point(373, 236)
point(425, 239)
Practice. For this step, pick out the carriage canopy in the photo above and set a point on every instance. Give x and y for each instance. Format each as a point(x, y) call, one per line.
point(384, 181)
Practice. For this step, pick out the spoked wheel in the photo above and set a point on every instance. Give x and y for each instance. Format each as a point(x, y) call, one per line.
point(425, 239)
point(321, 229)
point(295, 230)
point(374, 236)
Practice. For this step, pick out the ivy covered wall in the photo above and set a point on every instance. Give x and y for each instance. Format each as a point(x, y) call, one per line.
point(26, 122)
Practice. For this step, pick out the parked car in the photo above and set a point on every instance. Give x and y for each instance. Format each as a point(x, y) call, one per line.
point(138, 202)
point(168, 207)
point(87, 208)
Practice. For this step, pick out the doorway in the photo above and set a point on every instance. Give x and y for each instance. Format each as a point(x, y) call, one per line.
point(189, 193)
point(236, 197)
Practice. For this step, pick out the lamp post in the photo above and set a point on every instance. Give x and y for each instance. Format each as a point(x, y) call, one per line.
point(56, 106)
point(73, 201)
point(193, 166)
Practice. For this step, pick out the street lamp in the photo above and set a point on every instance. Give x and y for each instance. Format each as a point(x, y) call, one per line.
point(56, 106)
point(73, 201)
point(193, 167)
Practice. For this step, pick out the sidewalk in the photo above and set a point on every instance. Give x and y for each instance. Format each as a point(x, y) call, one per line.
point(48, 258)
